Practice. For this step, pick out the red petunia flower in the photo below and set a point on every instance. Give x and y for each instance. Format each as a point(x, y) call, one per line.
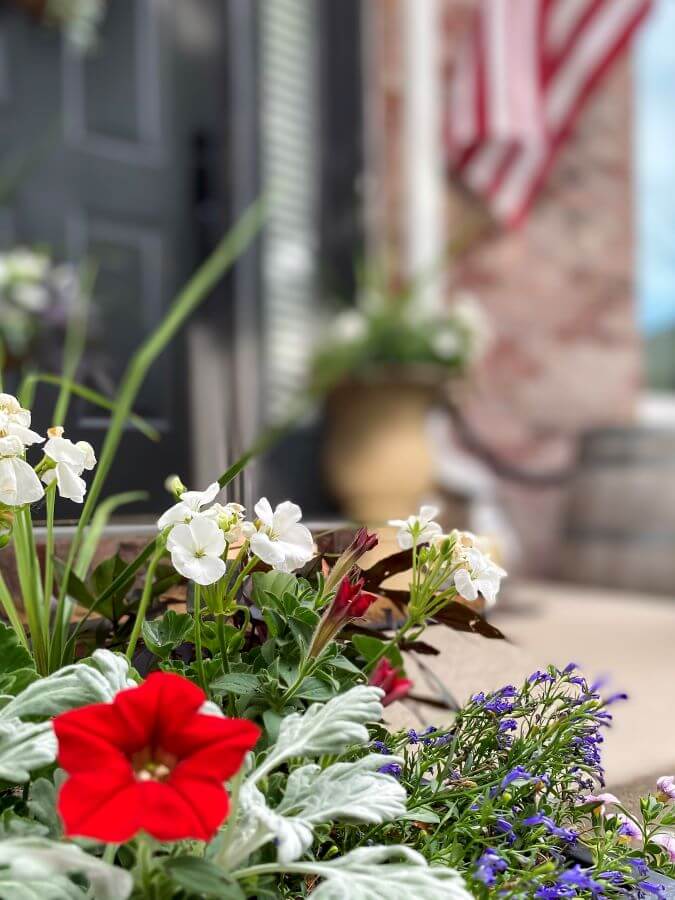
point(388, 678)
point(149, 761)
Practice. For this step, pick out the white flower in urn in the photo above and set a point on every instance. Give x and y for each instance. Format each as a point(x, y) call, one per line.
point(196, 549)
point(419, 529)
point(15, 421)
point(278, 537)
point(475, 574)
point(18, 482)
point(68, 461)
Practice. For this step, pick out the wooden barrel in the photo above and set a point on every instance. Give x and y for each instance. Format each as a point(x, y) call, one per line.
point(620, 523)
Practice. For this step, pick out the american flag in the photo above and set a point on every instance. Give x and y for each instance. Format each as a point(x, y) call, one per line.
point(522, 76)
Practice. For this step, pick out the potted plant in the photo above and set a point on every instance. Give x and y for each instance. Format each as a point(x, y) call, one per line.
point(237, 746)
point(382, 366)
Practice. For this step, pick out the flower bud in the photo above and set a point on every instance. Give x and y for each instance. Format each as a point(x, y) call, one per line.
point(362, 542)
point(175, 486)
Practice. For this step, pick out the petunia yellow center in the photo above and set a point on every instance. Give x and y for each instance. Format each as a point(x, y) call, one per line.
point(153, 764)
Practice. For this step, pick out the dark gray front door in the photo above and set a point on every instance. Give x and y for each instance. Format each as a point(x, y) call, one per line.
point(125, 135)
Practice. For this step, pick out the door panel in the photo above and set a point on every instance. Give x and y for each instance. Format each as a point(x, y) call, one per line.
point(115, 181)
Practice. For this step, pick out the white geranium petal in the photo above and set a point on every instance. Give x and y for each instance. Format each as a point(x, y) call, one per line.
point(178, 514)
point(62, 450)
point(207, 536)
point(18, 482)
point(196, 499)
point(286, 515)
point(70, 485)
point(180, 537)
point(203, 570)
point(263, 510)
point(267, 550)
point(25, 435)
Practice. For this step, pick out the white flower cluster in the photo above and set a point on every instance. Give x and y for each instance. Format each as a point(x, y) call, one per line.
point(33, 291)
point(470, 570)
point(63, 461)
point(199, 532)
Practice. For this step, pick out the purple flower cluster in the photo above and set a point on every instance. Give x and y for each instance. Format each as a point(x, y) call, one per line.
point(565, 834)
point(489, 866)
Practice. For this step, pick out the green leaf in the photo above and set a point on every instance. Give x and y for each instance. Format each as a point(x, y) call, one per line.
point(17, 669)
point(236, 683)
point(76, 588)
point(421, 814)
point(42, 804)
point(199, 877)
point(166, 633)
point(276, 584)
point(313, 688)
point(98, 524)
point(368, 647)
point(272, 722)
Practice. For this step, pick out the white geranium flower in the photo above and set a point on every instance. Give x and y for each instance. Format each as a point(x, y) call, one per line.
point(196, 550)
point(189, 506)
point(18, 482)
point(15, 421)
point(420, 529)
point(477, 574)
point(229, 519)
point(280, 539)
point(71, 460)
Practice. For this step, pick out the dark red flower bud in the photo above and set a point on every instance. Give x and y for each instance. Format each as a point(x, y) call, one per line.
point(347, 592)
point(361, 604)
point(363, 542)
point(389, 679)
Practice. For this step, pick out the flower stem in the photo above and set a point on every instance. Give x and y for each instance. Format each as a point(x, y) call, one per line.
point(199, 659)
point(49, 555)
point(145, 602)
point(232, 592)
point(145, 866)
point(390, 644)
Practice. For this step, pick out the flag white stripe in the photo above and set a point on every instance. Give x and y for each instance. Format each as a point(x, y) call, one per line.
point(482, 168)
point(562, 21)
point(497, 72)
point(521, 111)
point(603, 31)
point(464, 97)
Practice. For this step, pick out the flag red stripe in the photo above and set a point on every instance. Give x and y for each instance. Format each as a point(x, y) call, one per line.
point(505, 153)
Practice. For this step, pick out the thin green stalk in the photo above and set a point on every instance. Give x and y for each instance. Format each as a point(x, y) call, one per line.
point(29, 580)
point(241, 578)
point(75, 340)
point(196, 290)
point(11, 612)
point(145, 601)
point(199, 659)
point(50, 496)
point(30, 382)
point(390, 644)
point(98, 523)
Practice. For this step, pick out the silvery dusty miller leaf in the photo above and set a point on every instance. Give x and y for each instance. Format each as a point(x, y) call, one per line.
point(386, 873)
point(329, 727)
point(96, 681)
point(38, 867)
